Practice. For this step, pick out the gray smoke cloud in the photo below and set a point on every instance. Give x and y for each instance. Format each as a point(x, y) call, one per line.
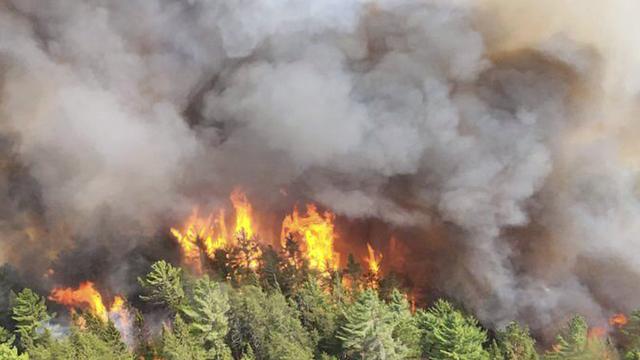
point(516, 142)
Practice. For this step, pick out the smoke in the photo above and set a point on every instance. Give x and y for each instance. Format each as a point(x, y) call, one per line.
point(499, 134)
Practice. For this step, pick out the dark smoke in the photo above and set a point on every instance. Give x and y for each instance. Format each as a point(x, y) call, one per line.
point(494, 139)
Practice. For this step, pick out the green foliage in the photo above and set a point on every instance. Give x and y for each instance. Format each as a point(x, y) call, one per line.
point(178, 343)
point(30, 315)
point(367, 330)
point(405, 326)
point(515, 343)
point(450, 335)
point(8, 352)
point(246, 251)
point(318, 315)
point(295, 314)
point(207, 315)
point(6, 337)
point(79, 345)
point(574, 342)
point(267, 324)
point(629, 335)
point(107, 333)
point(163, 286)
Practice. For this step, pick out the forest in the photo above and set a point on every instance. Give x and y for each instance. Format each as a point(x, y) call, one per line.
point(249, 301)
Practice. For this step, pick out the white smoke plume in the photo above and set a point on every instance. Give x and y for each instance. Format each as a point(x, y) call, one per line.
point(509, 126)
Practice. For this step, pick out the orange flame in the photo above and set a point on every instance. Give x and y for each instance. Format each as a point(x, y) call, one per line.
point(318, 233)
point(85, 295)
point(196, 229)
point(373, 260)
point(618, 320)
point(211, 233)
point(244, 210)
point(596, 332)
point(121, 317)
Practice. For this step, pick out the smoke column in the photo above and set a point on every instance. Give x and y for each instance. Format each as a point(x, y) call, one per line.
point(498, 136)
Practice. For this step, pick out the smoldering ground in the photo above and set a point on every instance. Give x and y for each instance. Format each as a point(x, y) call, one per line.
point(494, 137)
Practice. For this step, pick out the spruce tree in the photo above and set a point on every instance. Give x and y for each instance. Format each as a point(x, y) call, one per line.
point(206, 313)
point(106, 332)
point(267, 324)
point(405, 327)
point(6, 337)
point(367, 330)
point(353, 272)
point(450, 335)
point(178, 343)
point(318, 315)
point(574, 342)
point(629, 334)
point(163, 286)
point(516, 343)
point(31, 316)
point(8, 352)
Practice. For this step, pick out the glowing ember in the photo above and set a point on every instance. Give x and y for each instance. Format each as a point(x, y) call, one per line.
point(244, 210)
point(317, 231)
point(618, 320)
point(373, 260)
point(85, 296)
point(596, 332)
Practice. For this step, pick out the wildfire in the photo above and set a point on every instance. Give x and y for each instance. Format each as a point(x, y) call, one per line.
point(210, 233)
point(317, 231)
point(597, 332)
point(85, 295)
point(373, 260)
point(244, 210)
point(196, 229)
point(618, 320)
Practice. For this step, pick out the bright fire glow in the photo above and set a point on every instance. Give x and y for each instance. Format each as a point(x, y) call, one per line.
point(195, 229)
point(85, 296)
point(210, 233)
point(244, 210)
point(373, 260)
point(618, 320)
point(317, 231)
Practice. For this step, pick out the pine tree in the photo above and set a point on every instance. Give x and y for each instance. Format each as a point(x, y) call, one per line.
point(516, 343)
point(294, 268)
point(494, 351)
point(318, 315)
point(30, 315)
point(243, 260)
point(450, 335)
point(405, 327)
point(207, 315)
point(629, 334)
point(8, 352)
point(106, 332)
point(574, 342)
point(353, 272)
point(80, 344)
point(6, 337)
point(269, 272)
point(163, 286)
point(178, 343)
point(367, 330)
point(267, 324)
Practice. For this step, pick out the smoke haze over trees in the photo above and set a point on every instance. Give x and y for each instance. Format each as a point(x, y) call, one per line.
point(495, 140)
